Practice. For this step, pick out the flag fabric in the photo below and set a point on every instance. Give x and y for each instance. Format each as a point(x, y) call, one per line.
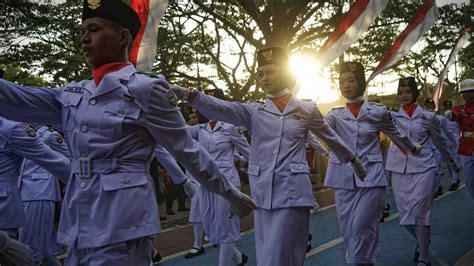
point(460, 42)
point(421, 23)
point(354, 23)
point(144, 47)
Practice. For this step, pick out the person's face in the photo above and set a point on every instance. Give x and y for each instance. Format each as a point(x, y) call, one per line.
point(405, 96)
point(448, 107)
point(468, 96)
point(102, 41)
point(348, 85)
point(270, 78)
point(430, 106)
point(193, 120)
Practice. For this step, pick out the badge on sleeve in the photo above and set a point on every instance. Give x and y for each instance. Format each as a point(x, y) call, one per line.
point(172, 99)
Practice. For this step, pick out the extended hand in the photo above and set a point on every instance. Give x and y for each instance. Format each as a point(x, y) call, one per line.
point(190, 188)
point(182, 93)
point(359, 169)
point(242, 207)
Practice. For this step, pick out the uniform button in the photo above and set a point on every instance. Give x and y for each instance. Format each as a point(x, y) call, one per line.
point(281, 117)
point(278, 134)
point(125, 180)
point(274, 152)
point(93, 101)
point(84, 128)
point(301, 167)
point(83, 184)
point(68, 102)
point(121, 111)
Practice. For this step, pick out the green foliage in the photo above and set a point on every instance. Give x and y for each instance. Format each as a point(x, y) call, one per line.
point(212, 44)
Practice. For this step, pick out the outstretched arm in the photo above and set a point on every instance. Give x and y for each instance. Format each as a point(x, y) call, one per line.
point(166, 124)
point(29, 104)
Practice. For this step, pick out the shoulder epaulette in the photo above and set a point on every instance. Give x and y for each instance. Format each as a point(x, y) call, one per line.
point(377, 104)
point(149, 74)
point(337, 108)
point(260, 102)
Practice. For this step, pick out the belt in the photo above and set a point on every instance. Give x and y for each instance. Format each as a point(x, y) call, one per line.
point(468, 134)
point(85, 166)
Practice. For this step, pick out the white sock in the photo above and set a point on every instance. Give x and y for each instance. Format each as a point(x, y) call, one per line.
point(226, 253)
point(423, 233)
point(198, 235)
point(237, 256)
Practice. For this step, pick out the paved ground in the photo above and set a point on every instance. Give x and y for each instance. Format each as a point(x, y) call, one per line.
point(452, 237)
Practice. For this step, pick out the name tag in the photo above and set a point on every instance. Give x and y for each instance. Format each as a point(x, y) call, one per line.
point(74, 89)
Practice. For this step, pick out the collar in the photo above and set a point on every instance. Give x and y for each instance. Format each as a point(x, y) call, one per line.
point(99, 72)
point(354, 107)
point(355, 100)
point(410, 108)
point(278, 94)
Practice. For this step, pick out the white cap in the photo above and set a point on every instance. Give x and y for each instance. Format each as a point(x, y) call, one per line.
point(467, 85)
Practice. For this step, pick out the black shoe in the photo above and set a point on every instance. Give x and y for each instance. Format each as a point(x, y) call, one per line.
point(245, 259)
point(308, 248)
point(382, 220)
point(440, 191)
point(157, 258)
point(163, 218)
point(183, 209)
point(194, 254)
point(454, 186)
point(170, 212)
point(417, 253)
point(386, 211)
point(427, 263)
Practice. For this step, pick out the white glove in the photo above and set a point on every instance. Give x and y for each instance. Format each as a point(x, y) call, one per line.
point(456, 166)
point(190, 188)
point(242, 207)
point(359, 169)
point(417, 149)
point(182, 93)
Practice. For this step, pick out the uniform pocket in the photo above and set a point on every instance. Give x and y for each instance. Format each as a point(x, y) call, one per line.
point(224, 164)
point(115, 114)
point(111, 182)
point(299, 168)
point(40, 176)
point(69, 101)
point(253, 170)
point(374, 158)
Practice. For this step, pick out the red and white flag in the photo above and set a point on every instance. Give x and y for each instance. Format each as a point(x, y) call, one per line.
point(460, 42)
point(354, 23)
point(421, 23)
point(144, 48)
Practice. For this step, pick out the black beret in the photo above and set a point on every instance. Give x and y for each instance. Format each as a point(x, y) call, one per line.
point(115, 11)
point(358, 69)
point(272, 55)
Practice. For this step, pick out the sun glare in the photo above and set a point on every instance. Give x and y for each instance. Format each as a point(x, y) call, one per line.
point(311, 82)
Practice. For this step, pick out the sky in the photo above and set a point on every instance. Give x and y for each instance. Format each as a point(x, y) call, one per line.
point(309, 75)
